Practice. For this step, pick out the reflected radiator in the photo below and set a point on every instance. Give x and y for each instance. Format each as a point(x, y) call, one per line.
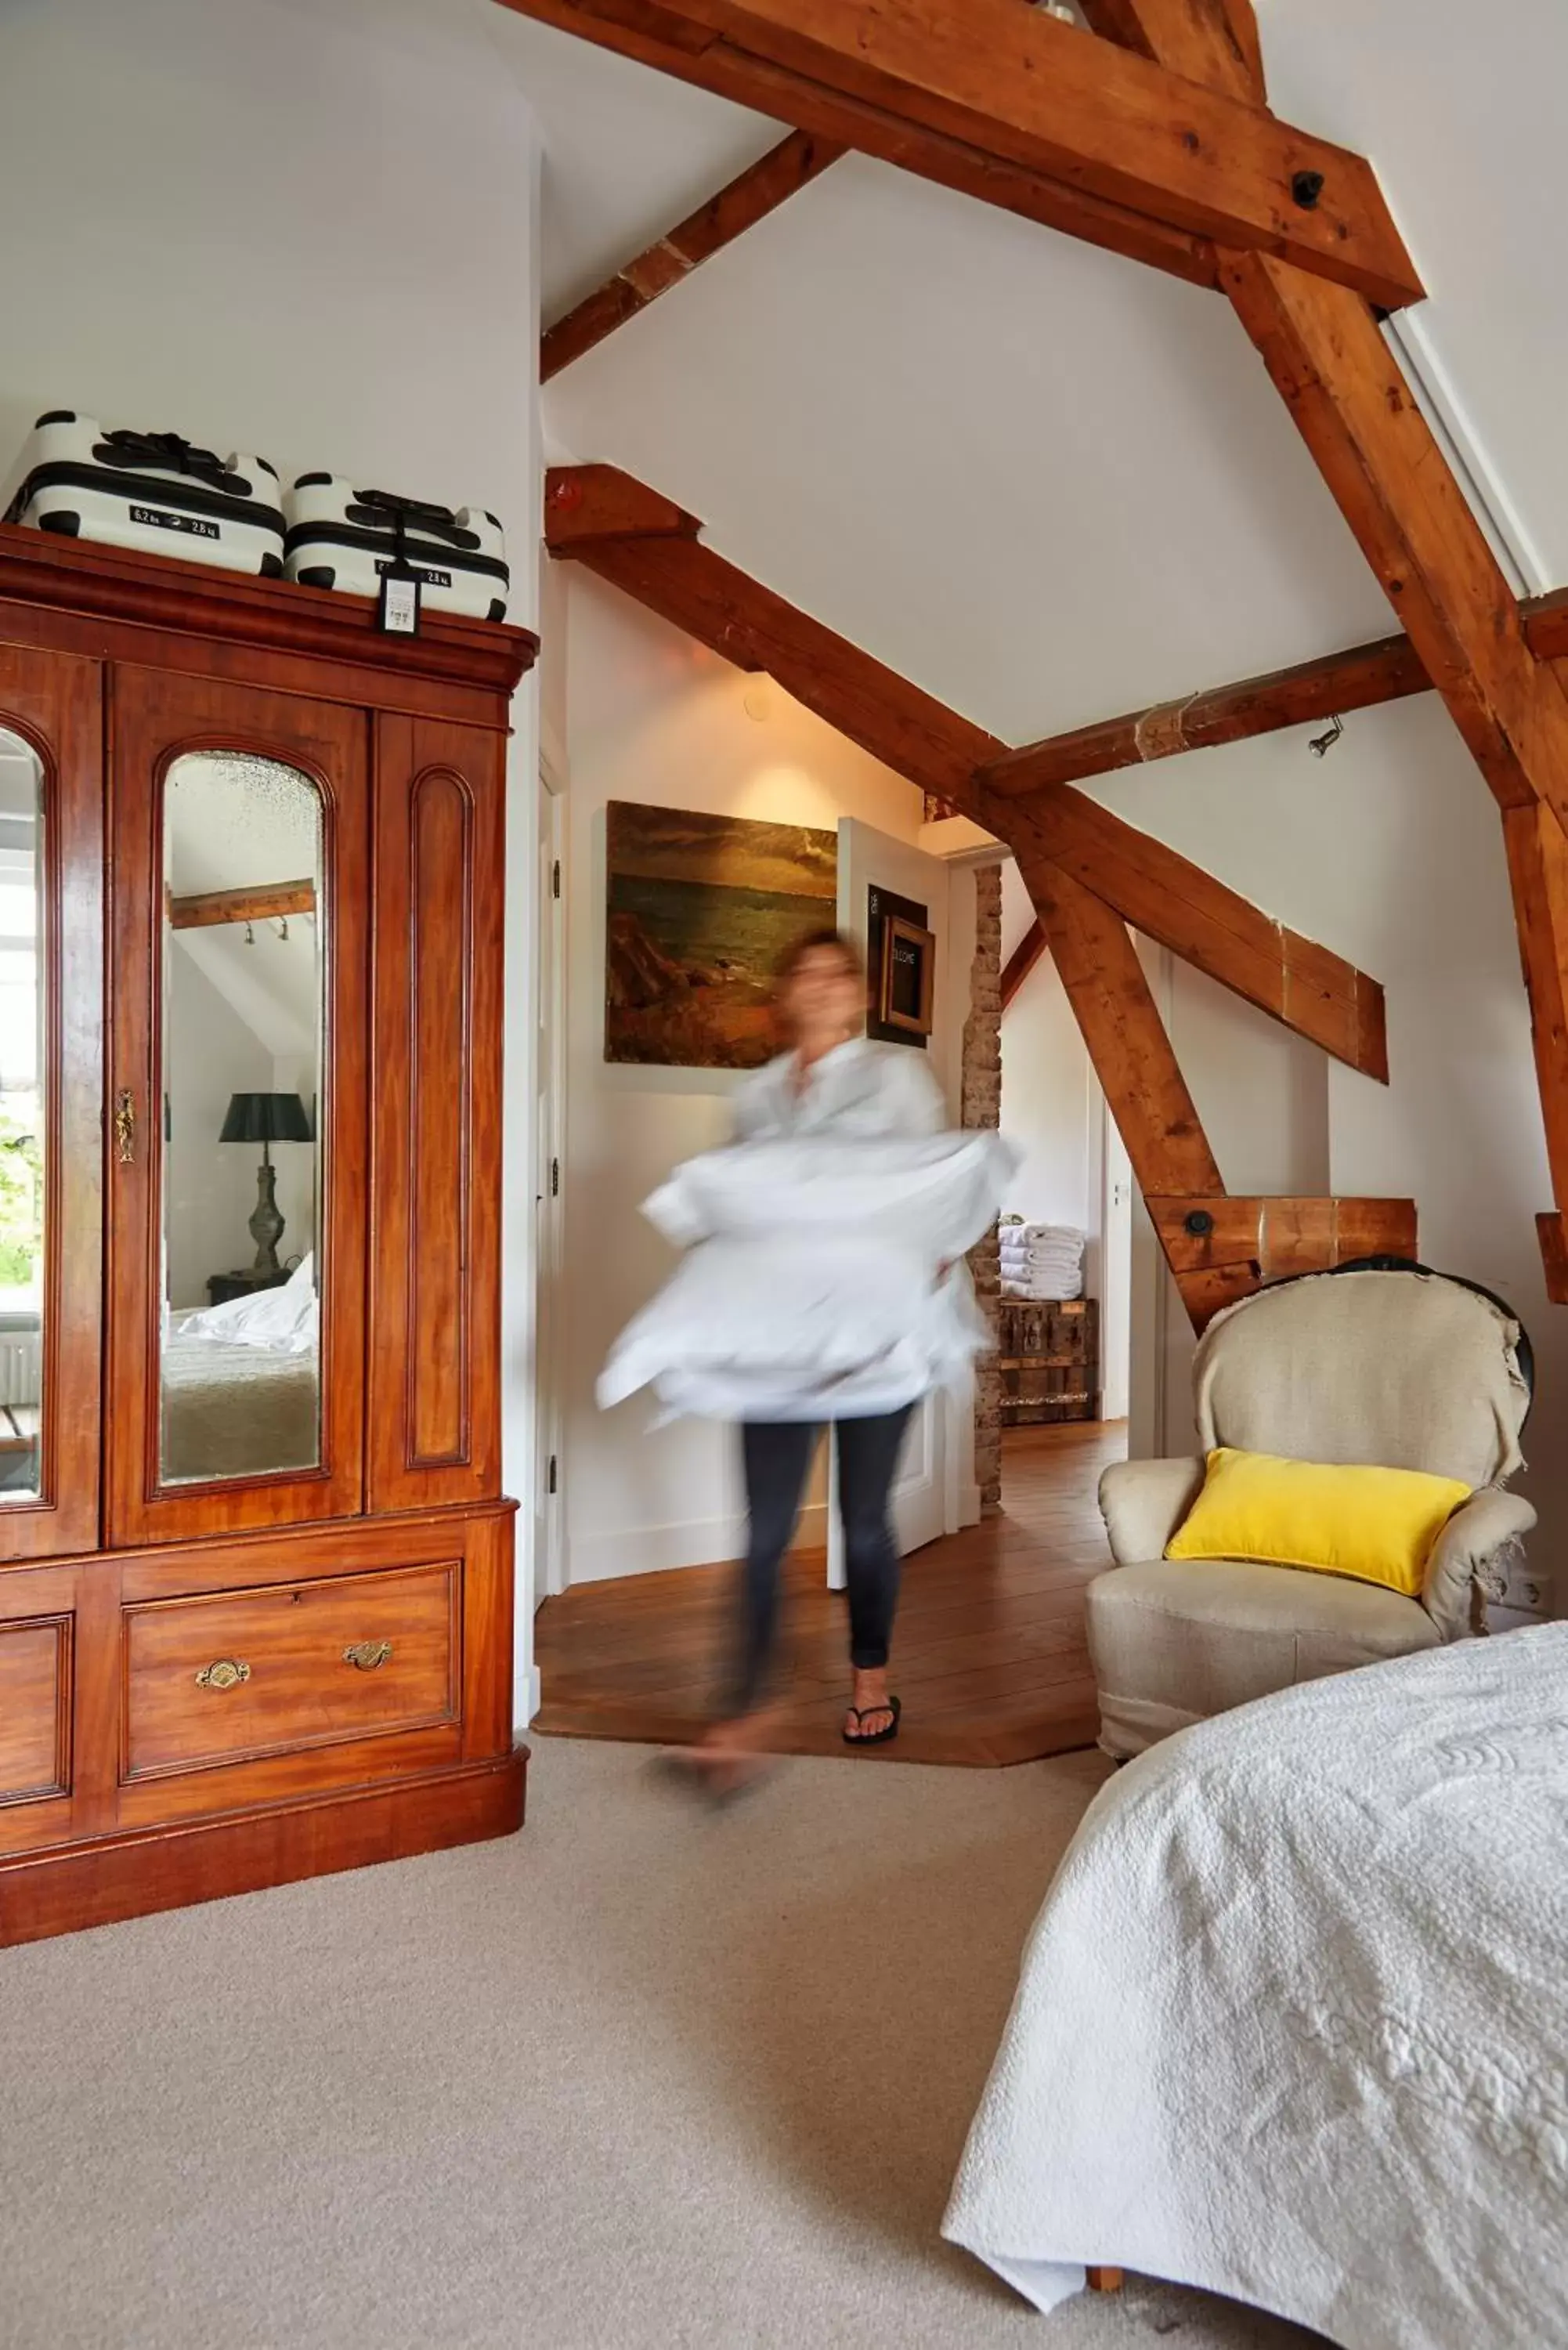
point(18, 1366)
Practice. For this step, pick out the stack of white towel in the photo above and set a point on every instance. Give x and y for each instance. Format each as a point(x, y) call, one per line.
point(1041, 1261)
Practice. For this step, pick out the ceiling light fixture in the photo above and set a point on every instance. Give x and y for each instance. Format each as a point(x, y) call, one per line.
point(1322, 745)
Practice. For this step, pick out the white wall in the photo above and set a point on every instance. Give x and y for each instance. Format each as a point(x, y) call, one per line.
point(652, 717)
point(211, 1185)
point(306, 229)
point(1049, 1094)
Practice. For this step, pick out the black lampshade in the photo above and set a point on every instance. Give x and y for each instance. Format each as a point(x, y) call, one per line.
point(266, 1118)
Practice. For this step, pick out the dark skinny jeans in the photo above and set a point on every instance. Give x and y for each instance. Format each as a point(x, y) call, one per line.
point(777, 1456)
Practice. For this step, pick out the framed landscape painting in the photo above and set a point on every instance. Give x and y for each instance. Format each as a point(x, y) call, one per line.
point(700, 909)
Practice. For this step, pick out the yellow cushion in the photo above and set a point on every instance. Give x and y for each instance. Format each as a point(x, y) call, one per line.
point(1377, 1524)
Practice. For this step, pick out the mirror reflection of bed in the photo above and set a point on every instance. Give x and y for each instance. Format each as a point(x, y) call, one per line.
point(243, 962)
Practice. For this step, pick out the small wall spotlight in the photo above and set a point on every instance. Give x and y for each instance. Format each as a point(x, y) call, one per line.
point(1322, 745)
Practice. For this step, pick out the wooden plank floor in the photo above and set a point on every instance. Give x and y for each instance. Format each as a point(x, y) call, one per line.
point(989, 1655)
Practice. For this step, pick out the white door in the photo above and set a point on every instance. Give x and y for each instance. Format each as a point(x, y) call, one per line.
point(549, 1080)
point(870, 860)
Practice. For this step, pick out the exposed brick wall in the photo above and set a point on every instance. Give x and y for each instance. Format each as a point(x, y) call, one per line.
point(981, 1097)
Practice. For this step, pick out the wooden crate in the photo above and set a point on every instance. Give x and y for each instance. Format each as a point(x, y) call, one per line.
point(1049, 1357)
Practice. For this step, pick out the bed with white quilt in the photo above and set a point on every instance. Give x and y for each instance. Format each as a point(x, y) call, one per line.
point(241, 1384)
point(1293, 2024)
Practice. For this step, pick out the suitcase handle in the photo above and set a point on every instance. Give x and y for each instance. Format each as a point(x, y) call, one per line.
point(437, 521)
point(168, 453)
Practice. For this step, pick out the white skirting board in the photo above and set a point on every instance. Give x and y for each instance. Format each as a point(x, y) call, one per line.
point(693, 1542)
point(533, 1699)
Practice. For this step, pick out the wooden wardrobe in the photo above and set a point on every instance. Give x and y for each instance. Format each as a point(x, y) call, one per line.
point(255, 1566)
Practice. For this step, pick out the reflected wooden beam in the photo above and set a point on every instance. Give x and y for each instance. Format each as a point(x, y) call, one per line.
point(268, 904)
point(749, 198)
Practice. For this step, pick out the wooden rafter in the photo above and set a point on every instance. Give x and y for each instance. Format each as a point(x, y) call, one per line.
point(1126, 1040)
point(1335, 684)
point(1376, 452)
point(1213, 41)
point(1361, 678)
point(749, 198)
point(1331, 363)
point(655, 558)
point(648, 547)
point(1014, 90)
point(1218, 1248)
point(1021, 962)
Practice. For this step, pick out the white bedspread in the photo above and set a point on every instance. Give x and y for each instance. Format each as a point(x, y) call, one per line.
point(1294, 2022)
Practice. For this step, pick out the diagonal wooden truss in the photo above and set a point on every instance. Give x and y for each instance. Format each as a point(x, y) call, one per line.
point(1089, 874)
point(1150, 134)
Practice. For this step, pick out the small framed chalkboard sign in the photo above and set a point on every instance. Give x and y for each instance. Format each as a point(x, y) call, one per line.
point(902, 957)
point(909, 976)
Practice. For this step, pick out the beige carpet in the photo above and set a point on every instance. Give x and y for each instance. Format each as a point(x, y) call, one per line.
point(642, 2077)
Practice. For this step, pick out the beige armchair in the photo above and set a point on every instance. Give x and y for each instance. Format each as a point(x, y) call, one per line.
point(1398, 1368)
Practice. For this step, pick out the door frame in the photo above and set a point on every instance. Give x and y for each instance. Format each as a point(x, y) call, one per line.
point(955, 960)
point(550, 1575)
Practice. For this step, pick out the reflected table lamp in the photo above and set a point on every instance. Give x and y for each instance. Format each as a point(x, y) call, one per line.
point(266, 1119)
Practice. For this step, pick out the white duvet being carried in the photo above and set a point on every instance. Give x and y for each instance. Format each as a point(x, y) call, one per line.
point(1293, 2023)
point(813, 1283)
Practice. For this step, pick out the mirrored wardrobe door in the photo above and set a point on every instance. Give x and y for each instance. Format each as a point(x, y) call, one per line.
point(239, 1073)
point(51, 1092)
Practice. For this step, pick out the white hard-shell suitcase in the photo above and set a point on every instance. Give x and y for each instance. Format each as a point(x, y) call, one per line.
point(342, 537)
point(151, 491)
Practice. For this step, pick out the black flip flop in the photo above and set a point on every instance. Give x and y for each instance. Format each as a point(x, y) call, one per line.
point(877, 1737)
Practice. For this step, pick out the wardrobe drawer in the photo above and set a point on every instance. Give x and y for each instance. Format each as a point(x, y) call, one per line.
point(228, 1676)
point(35, 1708)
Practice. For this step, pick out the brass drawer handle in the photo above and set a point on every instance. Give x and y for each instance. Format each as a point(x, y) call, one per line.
point(223, 1672)
point(366, 1654)
point(125, 1129)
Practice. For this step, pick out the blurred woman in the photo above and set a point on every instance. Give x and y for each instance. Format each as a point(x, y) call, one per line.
point(830, 1081)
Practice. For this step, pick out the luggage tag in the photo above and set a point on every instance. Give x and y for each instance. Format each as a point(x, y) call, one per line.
point(397, 612)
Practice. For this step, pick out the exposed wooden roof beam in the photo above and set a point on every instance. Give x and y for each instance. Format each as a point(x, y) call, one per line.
point(1538, 874)
point(1332, 365)
point(872, 130)
point(1222, 1248)
point(1335, 684)
point(1213, 41)
point(1357, 680)
point(584, 502)
point(1021, 962)
point(749, 198)
point(1127, 1039)
point(1344, 388)
point(1017, 92)
point(1172, 900)
point(1219, 1249)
